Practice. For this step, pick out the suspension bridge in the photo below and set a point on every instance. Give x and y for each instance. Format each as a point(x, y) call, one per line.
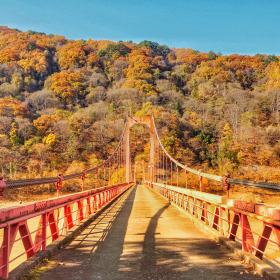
point(159, 229)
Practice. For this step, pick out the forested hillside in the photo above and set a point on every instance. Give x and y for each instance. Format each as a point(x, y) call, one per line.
point(62, 102)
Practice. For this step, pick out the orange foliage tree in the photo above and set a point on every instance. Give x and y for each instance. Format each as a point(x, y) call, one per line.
point(45, 122)
point(73, 54)
point(68, 86)
point(11, 107)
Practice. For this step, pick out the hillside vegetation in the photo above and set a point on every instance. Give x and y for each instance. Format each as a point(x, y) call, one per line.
point(63, 104)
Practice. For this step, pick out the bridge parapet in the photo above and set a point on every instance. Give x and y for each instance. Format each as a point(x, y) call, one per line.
point(28, 229)
point(207, 197)
point(255, 226)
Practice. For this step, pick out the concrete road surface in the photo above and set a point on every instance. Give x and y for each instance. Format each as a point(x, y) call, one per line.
point(141, 236)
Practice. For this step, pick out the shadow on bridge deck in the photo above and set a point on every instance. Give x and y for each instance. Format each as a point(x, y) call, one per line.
point(142, 237)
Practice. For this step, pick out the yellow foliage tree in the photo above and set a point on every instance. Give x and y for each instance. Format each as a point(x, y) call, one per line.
point(273, 76)
point(50, 139)
point(34, 61)
point(68, 86)
point(139, 74)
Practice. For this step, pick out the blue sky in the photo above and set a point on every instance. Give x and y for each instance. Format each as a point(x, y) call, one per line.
point(227, 26)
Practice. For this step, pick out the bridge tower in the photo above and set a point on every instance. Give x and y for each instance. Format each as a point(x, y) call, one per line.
point(148, 121)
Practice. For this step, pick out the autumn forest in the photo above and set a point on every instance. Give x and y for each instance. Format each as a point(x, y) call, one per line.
point(63, 104)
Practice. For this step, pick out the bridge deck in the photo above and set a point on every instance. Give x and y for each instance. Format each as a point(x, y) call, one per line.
point(142, 237)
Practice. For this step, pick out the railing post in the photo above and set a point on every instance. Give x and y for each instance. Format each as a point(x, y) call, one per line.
point(44, 231)
point(226, 184)
point(248, 243)
point(83, 176)
point(263, 240)
point(171, 173)
point(59, 184)
point(200, 183)
point(80, 205)
point(177, 176)
point(6, 252)
point(95, 203)
point(186, 174)
point(166, 179)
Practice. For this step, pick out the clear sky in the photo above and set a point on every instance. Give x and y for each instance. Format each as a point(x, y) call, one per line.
point(227, 26)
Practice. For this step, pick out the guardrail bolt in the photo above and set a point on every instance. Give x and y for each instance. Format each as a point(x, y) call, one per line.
point(200, 183)
point(2, 185)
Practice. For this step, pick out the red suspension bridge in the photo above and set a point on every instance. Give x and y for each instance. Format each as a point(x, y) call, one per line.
point(28, 231)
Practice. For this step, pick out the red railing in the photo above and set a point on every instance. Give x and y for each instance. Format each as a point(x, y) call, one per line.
point(255, 226)
point(29, 229)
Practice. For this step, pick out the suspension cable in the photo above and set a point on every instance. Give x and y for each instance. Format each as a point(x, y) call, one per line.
point(213, 177)
point(49, 180)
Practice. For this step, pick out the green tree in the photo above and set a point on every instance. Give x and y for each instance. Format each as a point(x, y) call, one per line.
point(14, 138)
point(227, 155)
